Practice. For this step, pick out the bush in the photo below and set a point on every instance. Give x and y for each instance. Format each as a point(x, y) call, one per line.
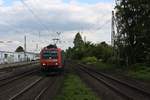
point(112, 60)
point(140, 71)
point(104, 66)
point(89, 60)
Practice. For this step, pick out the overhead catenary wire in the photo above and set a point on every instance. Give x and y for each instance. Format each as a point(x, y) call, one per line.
point(9, 25)
point(106, 22)
point(101, 26)
point(39, 21)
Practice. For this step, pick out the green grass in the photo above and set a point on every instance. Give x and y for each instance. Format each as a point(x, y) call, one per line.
point(137, 71)
point(140, 72)
point(75, 89)
point(89, 60)
point(104, 66)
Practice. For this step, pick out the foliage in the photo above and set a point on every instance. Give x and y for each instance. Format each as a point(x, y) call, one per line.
point(139, 71)
point(104, 66)
point(75, 89)
point(19, 49)
point(78, 40)
point(112, 60)
point(89, 60)
point(133, 39)
point(101, 51)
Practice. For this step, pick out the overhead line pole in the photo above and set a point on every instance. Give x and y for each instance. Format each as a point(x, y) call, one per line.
point(25, 47)
point(112, 30)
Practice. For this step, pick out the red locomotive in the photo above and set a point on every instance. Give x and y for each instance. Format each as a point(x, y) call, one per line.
point(52, 59)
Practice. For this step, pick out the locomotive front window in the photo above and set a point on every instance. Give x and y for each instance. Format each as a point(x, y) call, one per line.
point(50, 54)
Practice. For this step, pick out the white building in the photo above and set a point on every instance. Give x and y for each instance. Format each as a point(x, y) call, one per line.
point(12, 57)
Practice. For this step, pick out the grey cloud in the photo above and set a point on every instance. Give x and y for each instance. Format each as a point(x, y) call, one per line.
point(55, 16)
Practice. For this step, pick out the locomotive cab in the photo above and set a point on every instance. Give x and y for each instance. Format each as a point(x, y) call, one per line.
point(51, 59)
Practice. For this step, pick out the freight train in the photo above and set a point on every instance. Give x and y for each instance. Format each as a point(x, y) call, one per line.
point(52, 59)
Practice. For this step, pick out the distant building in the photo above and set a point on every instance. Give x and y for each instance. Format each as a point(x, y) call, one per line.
point(12, 57)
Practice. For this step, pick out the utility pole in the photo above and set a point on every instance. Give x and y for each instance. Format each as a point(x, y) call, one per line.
point(112, 30)
point(37, 47)
point(25, 47)
point(25, 38)
point(113, 34)
point(84, 39)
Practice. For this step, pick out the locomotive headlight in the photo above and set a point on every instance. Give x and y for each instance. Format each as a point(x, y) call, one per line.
point(43, 64)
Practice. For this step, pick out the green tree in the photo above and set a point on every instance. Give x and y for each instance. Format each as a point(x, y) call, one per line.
point(19, 49)
point(133, 23)
point(101, 51)
point(78, 42)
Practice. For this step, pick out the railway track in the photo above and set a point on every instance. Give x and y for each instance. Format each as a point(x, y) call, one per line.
point(11, 86)
point(49, 92)
point(19, 94)
point(5, 67)
point(125, 90)
point(38, 97)
point(17, 77)
point(35, 86)
point(44, 88)
point(12, 68)
point(29, 84)
point(17, 71)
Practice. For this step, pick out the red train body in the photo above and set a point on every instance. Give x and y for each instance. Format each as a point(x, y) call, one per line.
point(51, 59)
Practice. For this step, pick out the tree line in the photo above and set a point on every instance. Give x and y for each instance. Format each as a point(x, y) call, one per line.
point(132, 41)
point(102, 51)
point(133, 31)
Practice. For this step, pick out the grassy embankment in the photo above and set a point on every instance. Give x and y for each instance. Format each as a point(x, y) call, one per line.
point(140, 72)
point(98, 64)
point(75, 89)
point(137, 71)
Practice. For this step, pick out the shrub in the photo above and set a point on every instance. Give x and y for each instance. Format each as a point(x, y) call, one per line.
point(139, 71)
point(89, 60)
point(112, 60)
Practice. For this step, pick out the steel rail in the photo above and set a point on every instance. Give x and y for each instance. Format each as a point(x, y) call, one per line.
point(26, 88)
point(147, 93)
point(9, 80)
point(128, 97)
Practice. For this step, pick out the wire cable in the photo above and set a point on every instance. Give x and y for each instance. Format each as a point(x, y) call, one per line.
point(34, 15)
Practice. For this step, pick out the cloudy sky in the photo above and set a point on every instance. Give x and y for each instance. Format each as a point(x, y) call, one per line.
point(40, 20)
